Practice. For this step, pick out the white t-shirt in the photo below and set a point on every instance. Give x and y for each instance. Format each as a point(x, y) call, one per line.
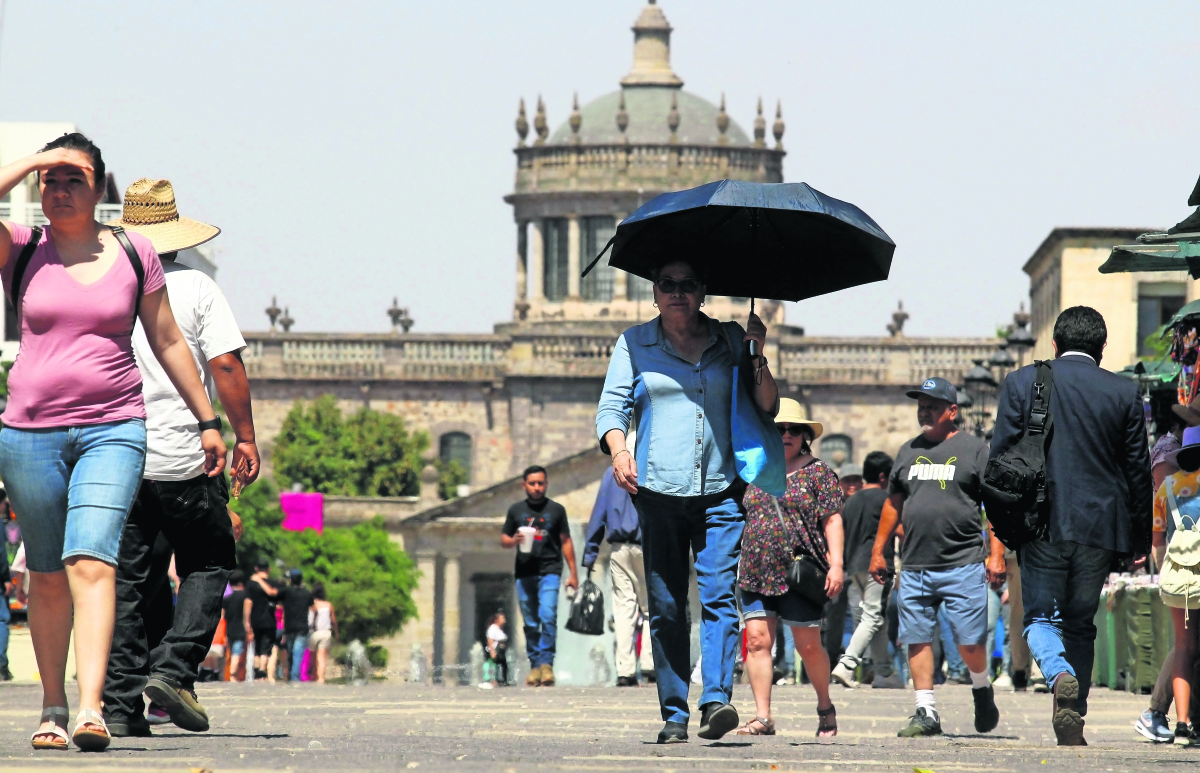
point(173, 449)
point(496, 633)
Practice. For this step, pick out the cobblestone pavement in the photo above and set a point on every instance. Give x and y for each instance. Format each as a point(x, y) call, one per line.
point(394, 726)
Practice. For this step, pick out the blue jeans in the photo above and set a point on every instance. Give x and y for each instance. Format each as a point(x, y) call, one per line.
point(5, 616)
point(538, 598)
point(789, 650)
point(672, 529)
point(1060, 586)
point(956, 668)
point(297, 643)
point(72, 487)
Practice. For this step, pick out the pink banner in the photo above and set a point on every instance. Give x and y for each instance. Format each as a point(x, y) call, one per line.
point(303, 511)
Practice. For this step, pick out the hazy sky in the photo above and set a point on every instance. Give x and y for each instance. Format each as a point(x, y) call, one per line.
point(353, 152)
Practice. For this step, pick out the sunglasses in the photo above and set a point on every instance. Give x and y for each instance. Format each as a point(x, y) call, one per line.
point(667, 286)
point(796, 430)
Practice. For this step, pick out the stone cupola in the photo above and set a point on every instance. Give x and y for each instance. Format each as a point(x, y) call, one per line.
point(652, 51)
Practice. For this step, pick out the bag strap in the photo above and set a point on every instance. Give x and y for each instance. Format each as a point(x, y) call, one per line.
point(15, 294)
point(138, 269)
point(1038, 425)
point(1173, 506)
point(786, 531)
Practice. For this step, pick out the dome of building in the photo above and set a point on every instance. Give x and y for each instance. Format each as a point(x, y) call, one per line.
point(649, 109)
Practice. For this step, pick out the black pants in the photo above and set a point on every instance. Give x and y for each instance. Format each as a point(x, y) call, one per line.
point(193, 516)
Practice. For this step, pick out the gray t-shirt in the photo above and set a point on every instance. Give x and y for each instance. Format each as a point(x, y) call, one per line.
point(943, 526)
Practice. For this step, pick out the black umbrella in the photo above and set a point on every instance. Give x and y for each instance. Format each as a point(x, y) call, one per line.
point(784, 241)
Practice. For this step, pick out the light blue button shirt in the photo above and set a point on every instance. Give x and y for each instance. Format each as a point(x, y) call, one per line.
point(681, 410)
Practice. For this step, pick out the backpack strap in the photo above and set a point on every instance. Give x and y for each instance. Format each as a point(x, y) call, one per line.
point(15, 294)
point(138, 269)
point(1173, 506)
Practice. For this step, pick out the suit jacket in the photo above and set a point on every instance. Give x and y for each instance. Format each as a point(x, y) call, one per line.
point(1098, 479)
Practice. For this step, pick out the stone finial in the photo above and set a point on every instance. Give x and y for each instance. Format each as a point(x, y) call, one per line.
point(539, 123)
point(760, 127)
point(652, 51)
point(723, 123)
point(673, 117)
point(576, 120)
point(429, 480)
point(1021, 318)
point(286, 320)
point(400, 318)
point(899, 316)
point(777, 128)
point(622, 116)
point(522, 125)
point(273, 312)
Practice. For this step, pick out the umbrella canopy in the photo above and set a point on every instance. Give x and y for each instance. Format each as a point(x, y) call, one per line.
point(1156, 252)
point(783, 241)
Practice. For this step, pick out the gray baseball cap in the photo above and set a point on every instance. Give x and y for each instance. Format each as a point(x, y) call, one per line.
point(936, 387)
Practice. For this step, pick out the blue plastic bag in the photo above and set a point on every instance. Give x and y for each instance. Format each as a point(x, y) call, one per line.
point(757, 447)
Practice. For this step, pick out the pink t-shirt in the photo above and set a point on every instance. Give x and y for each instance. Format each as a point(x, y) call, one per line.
point(76, 365)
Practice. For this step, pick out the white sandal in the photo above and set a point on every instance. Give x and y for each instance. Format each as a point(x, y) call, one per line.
point(90, 740)
point(60, 716)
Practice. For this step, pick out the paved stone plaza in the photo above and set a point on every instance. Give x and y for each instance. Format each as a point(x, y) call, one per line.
point(390, 726)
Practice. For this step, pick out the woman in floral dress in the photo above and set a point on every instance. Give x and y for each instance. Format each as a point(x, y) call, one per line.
point(808, 520)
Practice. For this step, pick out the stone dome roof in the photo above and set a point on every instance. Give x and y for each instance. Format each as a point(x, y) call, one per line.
point(648, 108)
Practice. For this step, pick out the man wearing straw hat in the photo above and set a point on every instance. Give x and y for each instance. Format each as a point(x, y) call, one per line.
point(177, 499)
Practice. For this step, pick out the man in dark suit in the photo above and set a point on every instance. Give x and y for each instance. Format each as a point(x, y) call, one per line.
point(1099, 491)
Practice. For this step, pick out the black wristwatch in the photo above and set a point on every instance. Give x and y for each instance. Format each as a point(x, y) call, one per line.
point(210, 424)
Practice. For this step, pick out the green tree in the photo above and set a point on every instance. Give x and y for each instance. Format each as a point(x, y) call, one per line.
point(263, 539)
point(450, 475)
point(369, 454)
point(367, 577)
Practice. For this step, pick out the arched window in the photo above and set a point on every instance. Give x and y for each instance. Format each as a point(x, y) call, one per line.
point(836, 450)
point(456, 447)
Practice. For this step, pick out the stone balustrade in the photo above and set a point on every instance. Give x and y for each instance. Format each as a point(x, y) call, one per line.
point(31, 213)
point(545, 168)
point(491, 357)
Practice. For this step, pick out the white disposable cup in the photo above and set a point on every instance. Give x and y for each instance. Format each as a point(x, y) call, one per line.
point(526, 533)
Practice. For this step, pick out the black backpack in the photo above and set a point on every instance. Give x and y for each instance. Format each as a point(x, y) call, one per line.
point(35, 239)
point(1013, 488)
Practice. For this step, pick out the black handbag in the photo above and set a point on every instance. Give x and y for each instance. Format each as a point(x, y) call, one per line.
point(805, 576)
point(1013, 487)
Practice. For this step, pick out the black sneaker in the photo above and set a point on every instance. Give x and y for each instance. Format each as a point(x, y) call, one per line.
point(180, 702)
point(920, 725)
point(627, 681)
point(1184, 735)
point(648, 677)
point(717, 719)
point(128, 727)
point(1020, 681)
point(987, 716)
point(5, 675)
point(1067, 721)
point(673, 732)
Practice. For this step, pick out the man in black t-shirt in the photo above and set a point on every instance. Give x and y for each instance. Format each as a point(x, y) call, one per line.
point(262, 595)
point(235, 610)
point(935, 482)
point(538, 528)
point(868, 599)
point(296, 600)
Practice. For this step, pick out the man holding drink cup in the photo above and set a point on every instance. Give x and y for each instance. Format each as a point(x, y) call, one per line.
point(537, 527)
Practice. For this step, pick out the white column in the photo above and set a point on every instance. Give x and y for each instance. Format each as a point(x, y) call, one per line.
point(573, 267)
point(450, 616)
point(537, 260)
point(424, 599)
point(522, 250)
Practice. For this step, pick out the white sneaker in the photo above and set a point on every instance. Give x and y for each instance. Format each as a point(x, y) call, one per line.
point(1003, 682)
point(890, 682)
point(843, 676)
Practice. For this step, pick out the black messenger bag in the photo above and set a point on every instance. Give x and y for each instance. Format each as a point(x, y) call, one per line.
point(1013, 488)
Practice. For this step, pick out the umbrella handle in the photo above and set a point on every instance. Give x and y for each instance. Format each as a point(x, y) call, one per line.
point(753, 344)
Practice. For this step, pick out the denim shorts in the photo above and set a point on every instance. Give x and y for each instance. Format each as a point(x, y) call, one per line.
point(237, 647)
point(791, 608)
point(72, 487)
point(961, 591)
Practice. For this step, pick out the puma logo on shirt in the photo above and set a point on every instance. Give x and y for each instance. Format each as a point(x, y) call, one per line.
point(925, 469)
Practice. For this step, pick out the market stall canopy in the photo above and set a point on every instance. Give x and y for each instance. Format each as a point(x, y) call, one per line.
point(1156, 252)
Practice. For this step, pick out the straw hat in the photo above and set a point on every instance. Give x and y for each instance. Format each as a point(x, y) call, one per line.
point(790, 412)
point(1190, 413)
point(150, 211)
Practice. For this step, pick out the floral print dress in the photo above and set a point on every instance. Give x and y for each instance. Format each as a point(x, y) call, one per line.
point(811, 496)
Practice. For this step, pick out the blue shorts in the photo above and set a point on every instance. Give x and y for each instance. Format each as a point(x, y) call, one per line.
point(961, 592)
point(793, 609)
point(72, 488)
point(237, 647)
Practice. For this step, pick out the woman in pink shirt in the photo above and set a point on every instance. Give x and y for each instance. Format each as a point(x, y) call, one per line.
point(74, 439)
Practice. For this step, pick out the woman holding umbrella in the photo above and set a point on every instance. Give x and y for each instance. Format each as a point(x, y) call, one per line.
point(673, 378)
